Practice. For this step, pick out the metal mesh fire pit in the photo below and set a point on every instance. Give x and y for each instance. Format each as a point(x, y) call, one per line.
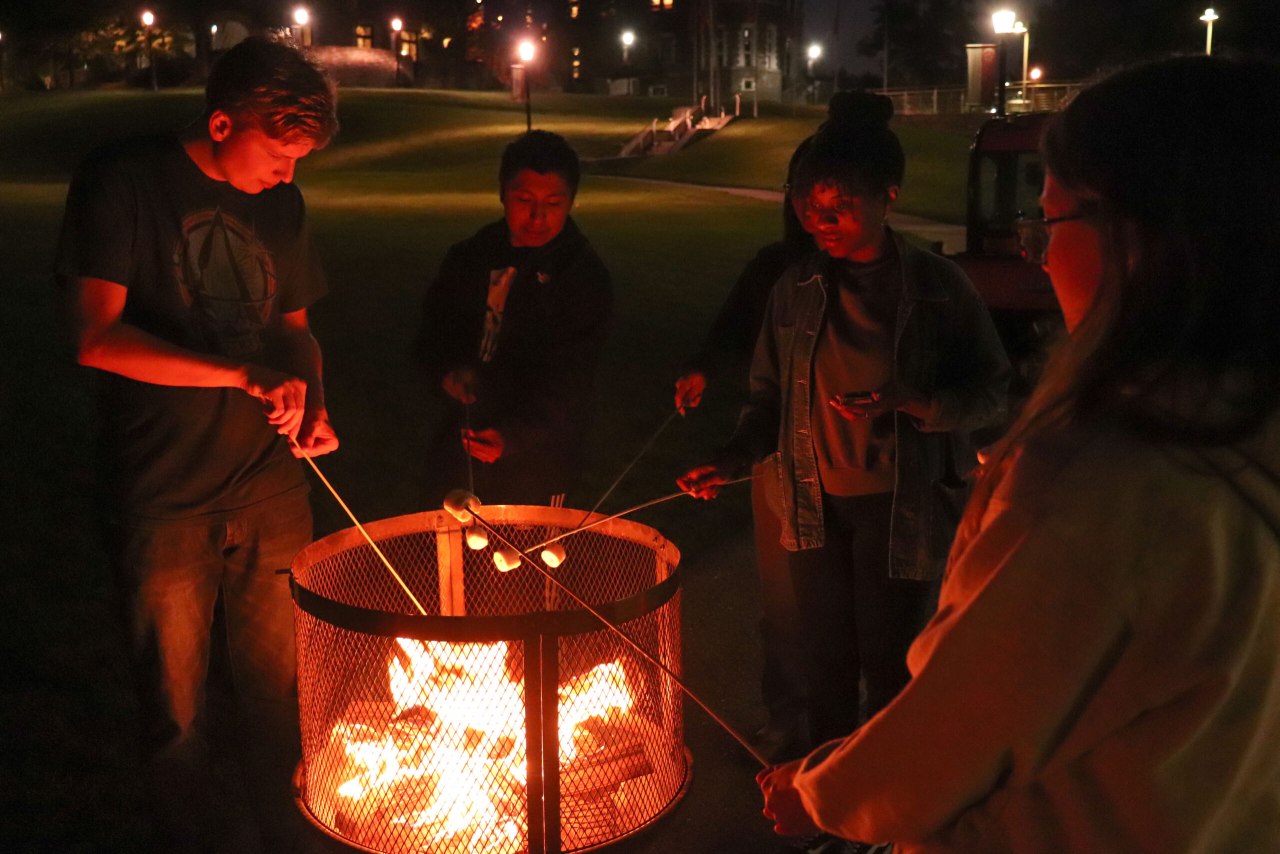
point(507, 719)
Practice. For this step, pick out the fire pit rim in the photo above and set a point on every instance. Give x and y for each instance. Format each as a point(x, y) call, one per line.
point(481, 629)
point(442, 522)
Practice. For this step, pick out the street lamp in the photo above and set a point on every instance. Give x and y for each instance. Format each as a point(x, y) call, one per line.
point(813, 54)
point(1209, 17)
point(628, 39)
point(525, 51)
point(396, 26)
point(148, 18)
point(1003, 22)
point(1019, 27)
point(301, 21)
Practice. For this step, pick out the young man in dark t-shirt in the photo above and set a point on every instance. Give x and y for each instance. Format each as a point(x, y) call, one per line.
point(188, 271)
point(512, 329)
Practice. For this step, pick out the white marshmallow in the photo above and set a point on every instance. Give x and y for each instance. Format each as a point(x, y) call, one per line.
point(553, 555)
point(460, 503)
point(506, 559)
point(477, 537)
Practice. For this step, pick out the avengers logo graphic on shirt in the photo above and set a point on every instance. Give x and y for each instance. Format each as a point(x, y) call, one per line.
point(228, 278)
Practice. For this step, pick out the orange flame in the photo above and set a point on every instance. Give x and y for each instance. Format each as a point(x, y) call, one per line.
point(449, 765)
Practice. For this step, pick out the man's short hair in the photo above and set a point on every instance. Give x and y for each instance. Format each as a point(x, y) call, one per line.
point(277, 88)
point(544, 152)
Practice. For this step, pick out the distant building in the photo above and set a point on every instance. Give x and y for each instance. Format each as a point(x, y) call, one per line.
point(681, 48)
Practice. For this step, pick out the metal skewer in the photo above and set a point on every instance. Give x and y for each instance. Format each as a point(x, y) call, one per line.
point(360, 528)
point(568, 591)
point(647, 445)
point(552, 579)
point(471, 475)
point(580, 528)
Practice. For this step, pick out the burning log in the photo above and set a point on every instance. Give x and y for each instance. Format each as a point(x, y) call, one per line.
point(604, 771)
point(420, 745)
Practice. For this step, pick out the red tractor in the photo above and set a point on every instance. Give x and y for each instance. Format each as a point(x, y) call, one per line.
point(1005, 177)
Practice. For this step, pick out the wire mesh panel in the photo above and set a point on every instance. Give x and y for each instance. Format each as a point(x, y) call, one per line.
point(504, 719)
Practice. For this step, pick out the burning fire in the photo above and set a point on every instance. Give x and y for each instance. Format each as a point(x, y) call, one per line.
point(443, 769)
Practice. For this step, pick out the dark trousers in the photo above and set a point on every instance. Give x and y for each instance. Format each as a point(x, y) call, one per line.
point(201, 591)
point(858, 622)
point(782, 679)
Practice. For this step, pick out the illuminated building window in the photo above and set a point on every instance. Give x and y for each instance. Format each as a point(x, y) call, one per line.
point(364, 35)
point(746, 48)
point(667, 4)
point(409, 45)
point(771, 47)
point(656, 4)
point(577, 51)
point(573, 11)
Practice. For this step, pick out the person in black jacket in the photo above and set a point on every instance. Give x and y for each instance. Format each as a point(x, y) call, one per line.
point(725, 356)
point(512, 328)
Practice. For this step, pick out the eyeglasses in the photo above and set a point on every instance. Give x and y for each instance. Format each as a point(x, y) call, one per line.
point(1033, 234)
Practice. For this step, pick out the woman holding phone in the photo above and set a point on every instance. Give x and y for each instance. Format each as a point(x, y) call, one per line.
point(867, 486)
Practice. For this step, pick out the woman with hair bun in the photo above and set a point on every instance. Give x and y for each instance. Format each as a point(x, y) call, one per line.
point(1103, 671)
point(875, 360)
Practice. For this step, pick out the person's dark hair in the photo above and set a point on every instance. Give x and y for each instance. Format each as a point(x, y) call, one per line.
point(1181, 343)
point(543, 152)
point(854, 149)
point(276, 88)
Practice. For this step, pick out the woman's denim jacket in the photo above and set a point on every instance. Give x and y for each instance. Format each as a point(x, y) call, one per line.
point(946, 347)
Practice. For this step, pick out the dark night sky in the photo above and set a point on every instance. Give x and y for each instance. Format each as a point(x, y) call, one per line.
point(855, 22)
point(1137, 27)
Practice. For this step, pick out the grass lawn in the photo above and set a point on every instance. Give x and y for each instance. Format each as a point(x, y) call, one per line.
point(410, 173)
point(755, 152)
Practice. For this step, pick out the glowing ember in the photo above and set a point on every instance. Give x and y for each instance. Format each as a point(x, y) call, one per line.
point(445, 757)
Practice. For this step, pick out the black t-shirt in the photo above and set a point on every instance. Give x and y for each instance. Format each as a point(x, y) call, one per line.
point(210, 269)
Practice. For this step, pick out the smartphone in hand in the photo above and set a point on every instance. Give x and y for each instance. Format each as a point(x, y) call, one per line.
point(857, 398)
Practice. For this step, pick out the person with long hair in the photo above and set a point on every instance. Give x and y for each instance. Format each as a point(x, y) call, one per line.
point(1103, 670)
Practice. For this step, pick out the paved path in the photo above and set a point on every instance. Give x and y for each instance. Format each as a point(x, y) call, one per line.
point(950, 236)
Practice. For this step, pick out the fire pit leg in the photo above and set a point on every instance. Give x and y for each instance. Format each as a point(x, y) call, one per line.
point(542, 736)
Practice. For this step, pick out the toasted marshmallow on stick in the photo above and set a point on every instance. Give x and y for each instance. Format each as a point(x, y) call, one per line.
point(553, 555)
point(506, 559)
point(477, 537)
point(460, 503)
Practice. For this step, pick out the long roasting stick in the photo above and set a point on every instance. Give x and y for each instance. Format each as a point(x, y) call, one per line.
point(580, 528)
point(647, 445)
point(391, 569)
point(725, 725)
point(572, 595)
